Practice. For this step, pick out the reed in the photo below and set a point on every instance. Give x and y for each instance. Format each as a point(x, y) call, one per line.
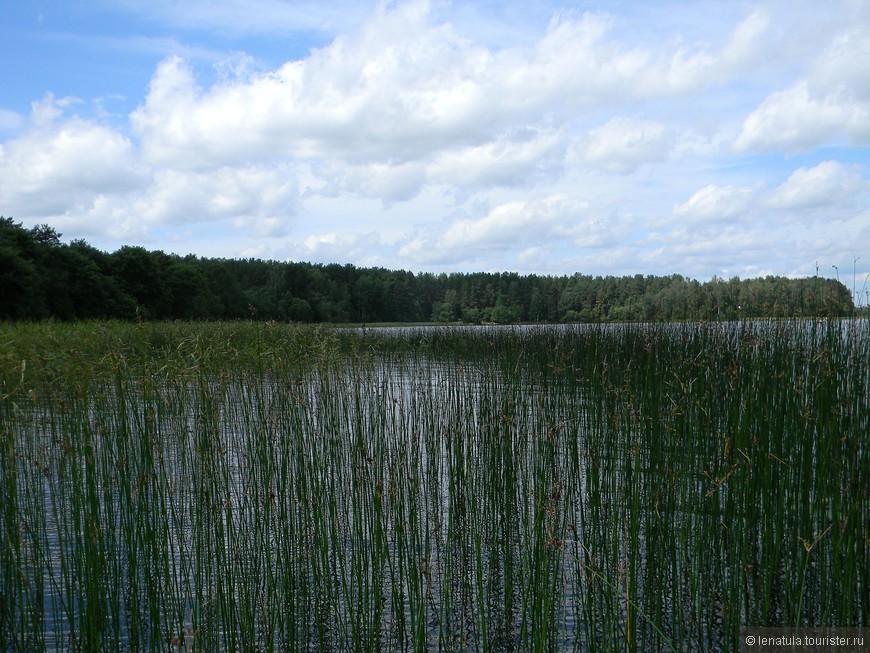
point(264, 487)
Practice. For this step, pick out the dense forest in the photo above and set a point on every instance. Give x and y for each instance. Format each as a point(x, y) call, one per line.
point(42, 277)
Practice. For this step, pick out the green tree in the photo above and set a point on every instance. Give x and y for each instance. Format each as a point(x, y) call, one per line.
point(188, 295)
point(140, 276)
point(21, 294)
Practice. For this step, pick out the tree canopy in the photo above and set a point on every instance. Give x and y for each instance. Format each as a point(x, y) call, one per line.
point(41, 277)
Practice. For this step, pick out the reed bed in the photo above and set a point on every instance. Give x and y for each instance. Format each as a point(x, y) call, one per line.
point(261, 487)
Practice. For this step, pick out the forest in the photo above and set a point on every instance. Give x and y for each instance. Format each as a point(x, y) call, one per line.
point(42, 277)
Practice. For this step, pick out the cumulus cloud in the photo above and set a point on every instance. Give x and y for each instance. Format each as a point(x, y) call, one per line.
point(522, 230)
point(829, 103)
point(240, 193)
point(44, 112)
point(715, 203)
point(845, 62)
point(88, 176)
point(362, 98)
point(830, 183)
point(798, 119)
point(623, 144)
point(255, 200)
point(818, 213)
point(534, 258)
point(509, 160)
point(384, 181)
point(55, 165)
point(363, 248)
point(403, 88)
point(516, 222)
point(692, 68)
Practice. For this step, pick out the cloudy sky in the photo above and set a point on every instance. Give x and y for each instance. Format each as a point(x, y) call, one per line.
point(656, 137)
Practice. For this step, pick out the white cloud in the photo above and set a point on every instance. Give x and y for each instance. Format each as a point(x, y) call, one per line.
point(572, 67)
point(362, 248)
point(52, 167)
point(845, 63)
point(724, 250)
point(516, 224)
point(517, 232)
point(397, 89)
point(817, 214)
point(799, 119)
point(383, 181)
point(534, 258)
point(405, 88)
point(242, 193)
point(687, 69)
point(44, 112)
point(830, 183)
point(521, 160)
point(830, 103)
point(715, 203)
point(253, 201)
point(86, 176)
point(623, 144)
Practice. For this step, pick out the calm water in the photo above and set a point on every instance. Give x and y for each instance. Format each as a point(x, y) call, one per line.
point(399, 501)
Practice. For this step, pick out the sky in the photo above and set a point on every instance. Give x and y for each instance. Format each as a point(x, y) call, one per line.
point(708, 138)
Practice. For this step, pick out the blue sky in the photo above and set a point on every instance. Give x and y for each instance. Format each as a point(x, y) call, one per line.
point(705, 138)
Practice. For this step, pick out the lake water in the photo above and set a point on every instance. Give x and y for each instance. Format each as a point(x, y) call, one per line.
point(570, 496)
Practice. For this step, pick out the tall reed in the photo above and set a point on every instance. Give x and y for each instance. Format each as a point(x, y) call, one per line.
point(263, 487)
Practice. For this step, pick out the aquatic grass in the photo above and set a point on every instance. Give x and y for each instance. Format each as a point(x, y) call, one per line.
point(264, 487)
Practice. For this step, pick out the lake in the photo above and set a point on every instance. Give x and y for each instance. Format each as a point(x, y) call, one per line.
point(267, 487)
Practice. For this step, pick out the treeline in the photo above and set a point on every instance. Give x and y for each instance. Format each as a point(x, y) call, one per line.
point(41, 277)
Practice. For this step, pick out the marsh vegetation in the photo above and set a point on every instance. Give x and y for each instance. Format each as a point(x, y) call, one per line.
point(262, 487)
